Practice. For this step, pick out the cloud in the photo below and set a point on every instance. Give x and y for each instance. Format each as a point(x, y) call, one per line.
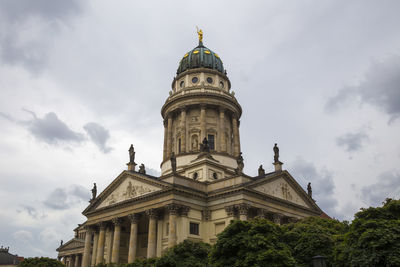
point(388, 186)
point(29, 29)
point(32, 212)
point(22, 236)
point(380, 87)
point(64, 198)
point(99, 135)
point(50, 129)
point(322, 184)
point(57, 199)
point(352, 141)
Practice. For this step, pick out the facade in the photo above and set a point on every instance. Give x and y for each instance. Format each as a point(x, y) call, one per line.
point(7, 259)
point(202, 186)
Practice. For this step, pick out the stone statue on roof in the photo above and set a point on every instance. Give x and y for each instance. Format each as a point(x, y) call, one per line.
point(261, 171)
point(276, 153)
point(173, 162)
point(204, 146)
point(131, 154)
point(142, 169)
point(309, 190)
point(94, 191)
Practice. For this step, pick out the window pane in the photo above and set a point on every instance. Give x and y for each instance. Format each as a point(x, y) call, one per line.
point(194, 228)
point(211, 143)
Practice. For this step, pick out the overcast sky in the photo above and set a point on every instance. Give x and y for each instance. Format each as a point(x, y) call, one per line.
point(82, 80)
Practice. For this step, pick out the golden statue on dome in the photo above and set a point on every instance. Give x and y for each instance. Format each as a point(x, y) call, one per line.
point(200, 33)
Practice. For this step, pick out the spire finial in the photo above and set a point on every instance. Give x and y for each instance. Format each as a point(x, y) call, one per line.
point(200, 33)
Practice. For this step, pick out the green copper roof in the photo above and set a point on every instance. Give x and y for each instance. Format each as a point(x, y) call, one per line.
point(200, 57)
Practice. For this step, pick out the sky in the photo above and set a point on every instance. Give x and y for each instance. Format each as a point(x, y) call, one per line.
point(82, 80)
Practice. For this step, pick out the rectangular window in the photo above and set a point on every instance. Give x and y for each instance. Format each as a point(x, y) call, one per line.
point(211, 142)
point(194, 228)
point(179, 145)
point(167, 229)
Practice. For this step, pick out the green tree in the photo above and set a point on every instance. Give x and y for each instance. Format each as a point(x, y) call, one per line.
point(40, 262)
point(253, 243)
point(373, 238)
point(185, 254)
point(313, 236)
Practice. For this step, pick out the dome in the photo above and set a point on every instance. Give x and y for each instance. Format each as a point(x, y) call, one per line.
point(200, 57)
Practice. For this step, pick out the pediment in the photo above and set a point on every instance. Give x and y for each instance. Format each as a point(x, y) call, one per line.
point(128, 188)
point(281, 188)
point(72, 244)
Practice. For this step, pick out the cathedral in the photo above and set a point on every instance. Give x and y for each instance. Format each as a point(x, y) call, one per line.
point(202, 186)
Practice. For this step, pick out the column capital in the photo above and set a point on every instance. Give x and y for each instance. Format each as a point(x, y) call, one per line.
point(152, 213)
point(277, 217)
point(206, 214)
point(102, 225)
point(203, 106)
point(134, 217)
point(183, 108)
point(221, 109)
point(172, 209)
point(185, 210)
point(243, 208)
point(230, 210)
point(89, 227)
point(116, 221)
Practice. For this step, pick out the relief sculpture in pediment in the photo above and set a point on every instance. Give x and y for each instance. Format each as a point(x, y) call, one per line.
point(127, 190)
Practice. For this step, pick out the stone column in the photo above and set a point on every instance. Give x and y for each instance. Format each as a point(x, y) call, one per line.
point(100, 245)
point(173, 212)
point(243, 211)
point(236, 142)
point(72, 261)
point(86, 250)
point(183, 129)
point(185, 223)
point(110, 237)
point(277, 218)
point(169, 136)
point(152, 236)
point(94, 250)
point(202, 123)
point(165, 140)
point(221, 133)
point(134, 218)
point(77, 260)
point(116, 241)
point(262, 214)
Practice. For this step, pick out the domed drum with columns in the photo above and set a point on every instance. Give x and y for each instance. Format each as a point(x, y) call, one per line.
point(202, 186)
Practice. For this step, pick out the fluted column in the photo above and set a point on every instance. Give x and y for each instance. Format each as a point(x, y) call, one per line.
point(202, 122)
point(236, 142)
point(116, 241)
point(86, 250)
point(165, 139)
point(183, 129)
point(72, 261)
point(152, 236)
point(169, 136)
point(76, 260)
point(221, 140)
point(100, 245)
point(243, 211)
point(133, 237)
point(110, 237)
point(94, 250)
point(173, 212)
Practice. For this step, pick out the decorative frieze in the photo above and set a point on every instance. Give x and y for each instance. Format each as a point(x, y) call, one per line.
point(206, 214)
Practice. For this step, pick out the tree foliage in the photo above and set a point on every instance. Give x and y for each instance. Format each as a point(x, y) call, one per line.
point(251, 243)
point(373, 238)
point(40, 262)
point(313, 236)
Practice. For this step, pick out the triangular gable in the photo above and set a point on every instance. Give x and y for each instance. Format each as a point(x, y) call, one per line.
point(286, 188)
point(128, 187)
point(72, 244)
